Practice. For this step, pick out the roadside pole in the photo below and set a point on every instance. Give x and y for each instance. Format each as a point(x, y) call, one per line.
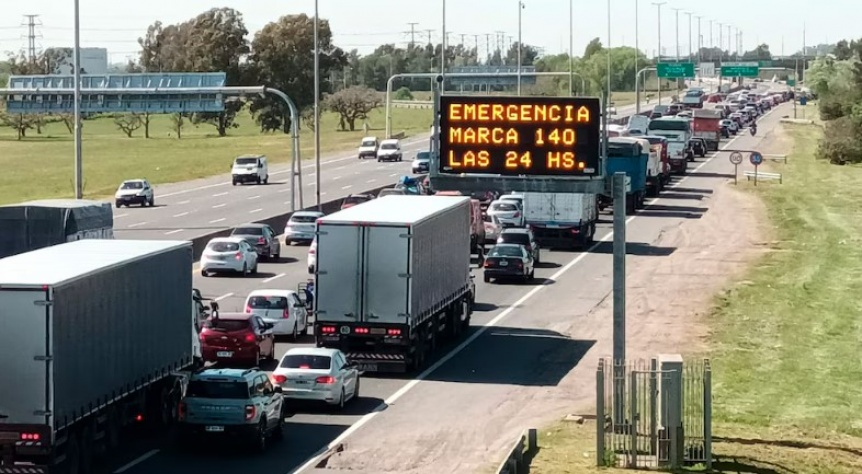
point(736, 159)
point(619, 287)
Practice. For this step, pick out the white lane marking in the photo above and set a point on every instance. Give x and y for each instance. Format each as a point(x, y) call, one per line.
point(323, 193)
point(184, 202)
point(174, 231)
point(371, 181)
point(218, 220)
point(134, 463)
point(341, 167)
point(254, 211)
point(219, 205)
point(226, 295)
point(482, 329)
point(393, 174)
point(220, 194)
point(336, 178)
point(274, 277)
point(254, 197)
point(120, 215)
point(285, 190)
point(181, 214)
point(137, 224)
point(347, 187)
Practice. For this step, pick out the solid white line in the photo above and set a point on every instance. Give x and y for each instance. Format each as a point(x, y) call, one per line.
point(120, 215)
point(226, 295)
point(254, 211)
point(274, 278)
point(341, 167)
point(347, 187)
point(220, 194)
point(181, 214)
point(218, 220)
point(184, 202)
point(254, 197)
point(219, 205)
point(137, 224)
point(134, 463)
point(490, 324)
point(174, 231)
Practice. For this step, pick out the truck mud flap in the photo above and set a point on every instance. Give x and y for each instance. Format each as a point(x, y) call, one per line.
point(370, 362)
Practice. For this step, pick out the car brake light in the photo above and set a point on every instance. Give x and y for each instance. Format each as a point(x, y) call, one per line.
point(261, 241)
point(31, 436)
point(285, 314)
point(326, 379)
point(576, 231)
point(250, 338)
point(393, 332)
point(279, 379)
point(250, 411)
point(519, 263)
point(181, 411)
point(487, 264)
point(238, 256)
point(360, 330)
point(312, 251)
point(248, 308)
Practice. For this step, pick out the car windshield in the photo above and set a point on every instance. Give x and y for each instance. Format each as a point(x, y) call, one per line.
point(304, 219)
point(247, 231)
point(505, 251)
point(306, 361)
point(504, 206)
point(218, 389)
point(514, 238)
point(132, 185)
point(246, 161)
point(228, 325)
point(223, 246)
point(368, 143)
point(268, 302)
point(423, 155)
point(388, 146)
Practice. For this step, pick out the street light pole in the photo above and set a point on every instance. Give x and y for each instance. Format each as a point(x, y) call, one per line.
point(572, 48)
point(677, 10)
point(658, 60)
point(443, 53)
point(699, 40)
point(637, 48)
point(520, 7)
point(79, 172)
point(690, 52)
point(317, 107)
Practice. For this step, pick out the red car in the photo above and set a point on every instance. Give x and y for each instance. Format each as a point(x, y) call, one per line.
point(237, 338)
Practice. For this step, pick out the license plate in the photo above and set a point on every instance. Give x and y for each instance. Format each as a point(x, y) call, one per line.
point(214, 429)
point(224, 353)
point(127, 199)
point(367, 367)
point(300, 382)
point(503, 263)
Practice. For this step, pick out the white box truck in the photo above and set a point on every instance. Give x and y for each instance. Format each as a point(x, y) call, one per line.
point(562, 220)
point(393, 279)
point(95, 339)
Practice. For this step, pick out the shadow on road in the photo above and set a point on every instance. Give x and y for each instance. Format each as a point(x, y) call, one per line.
point(693, 190)
point(671, 195)
point(711, 175)
point(356, 407)
point(638, 249)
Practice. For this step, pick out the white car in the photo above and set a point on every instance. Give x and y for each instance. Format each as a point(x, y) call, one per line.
point(301, 226)
point(228, 254)
point(519, 198)
point(731, 125)
point(249, 169)
point(135, 191)
point(312, 256)
point(317, 374)
point(390, 150)
point(493, 227)
point(368, 148)
point(281, 308)
point(508, 212)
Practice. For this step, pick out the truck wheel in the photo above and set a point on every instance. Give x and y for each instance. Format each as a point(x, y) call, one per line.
point(630, 205)
point(278, 431)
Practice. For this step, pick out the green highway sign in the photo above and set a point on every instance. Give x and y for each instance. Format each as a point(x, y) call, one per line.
point(675, 70)
point(764, 63)
point(791, 82)
point(750, 69)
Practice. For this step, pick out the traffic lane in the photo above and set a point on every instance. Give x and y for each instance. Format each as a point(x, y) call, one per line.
point(243, 204)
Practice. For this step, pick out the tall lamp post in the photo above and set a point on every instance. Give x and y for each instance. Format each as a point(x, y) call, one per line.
point(316, 108)
point(520, 7)
point(443, 53)
point(79, 172)
point(690, 44)
point(658, 60)
point(572, 48)
point(637, 48)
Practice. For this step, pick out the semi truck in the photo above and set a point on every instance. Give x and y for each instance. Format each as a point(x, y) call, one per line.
point(706, 124)
point(393, 280)
point(95, 338)
point(562, 219)
point(626, 155)
point(35, 224)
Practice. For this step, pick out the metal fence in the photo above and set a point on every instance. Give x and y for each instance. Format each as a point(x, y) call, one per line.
point(654, 413)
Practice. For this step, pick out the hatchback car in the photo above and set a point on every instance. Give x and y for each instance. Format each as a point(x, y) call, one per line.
point(523, 237)
point(228, 254)
point(237, 338)
point(261, 237)
point(301, 226)
point(509, 261)
point(231, 403)
point(355, 199)
point(508, 212)
point(317, 374)
point(135, 191)
point(422, 162)
point(281, 308)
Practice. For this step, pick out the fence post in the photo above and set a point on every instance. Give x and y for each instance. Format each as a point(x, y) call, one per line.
point(633, 419)
point(653, 408)
point(600, 414)
point(707, 413)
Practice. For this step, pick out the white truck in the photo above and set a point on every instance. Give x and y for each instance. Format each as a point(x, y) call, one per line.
point(655, 171)
point(95, 338)
point(393, 280)
point(562, 219)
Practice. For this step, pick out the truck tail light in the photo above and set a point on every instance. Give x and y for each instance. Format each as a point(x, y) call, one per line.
point(31, 436)
point(250, 412)
point(181, 411)
point(327, 329)
point(393, 332)
point(361, 330)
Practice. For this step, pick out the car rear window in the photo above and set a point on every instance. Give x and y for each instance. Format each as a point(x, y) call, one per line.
point(214, 389)
point(507, 251)
point(304, 219)
point(247, 231)
point(423, 155)
point(368, 143)
point(306, 361)
point(246, 161)
point(504, 206)
point(227, 324)
point(133, 185)
point(223, 246)
point(268, 302)
point(513, 238)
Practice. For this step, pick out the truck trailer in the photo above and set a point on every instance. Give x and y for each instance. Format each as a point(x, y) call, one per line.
point(626, 155)
point(35, 224)
point(706, 124)
point(95, 338)
point(562, 219)
point(393, 280)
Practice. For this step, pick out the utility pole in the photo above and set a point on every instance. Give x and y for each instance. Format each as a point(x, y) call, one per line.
point(572, 47)
point(637, 48)
point(76, 71)
point(412, 34)
point(462, 39)
point(428, 32)
point(729, 44)
point(711, 44)
point(677, 10)
point(316, 111)
point(520, 8)
point(699, 40)
point(32, 22)
point(501, 39)
point(476, 45)
point(690, 52)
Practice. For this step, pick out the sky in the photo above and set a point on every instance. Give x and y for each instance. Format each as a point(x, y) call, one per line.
point(365, 24)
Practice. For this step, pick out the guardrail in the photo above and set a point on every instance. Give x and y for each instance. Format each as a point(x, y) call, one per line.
point(413, 104)
point(761, 176)
point(521, 453)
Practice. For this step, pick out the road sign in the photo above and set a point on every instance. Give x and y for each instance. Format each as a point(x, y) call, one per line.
point(736, 157)
point(755, 158)
point(791, 82)
point(707, 69)
point(675, 70)
point(749, 69)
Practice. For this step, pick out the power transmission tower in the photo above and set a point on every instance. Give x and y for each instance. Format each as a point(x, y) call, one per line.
point(429, 35)
point(412, 33)
point(500, 39)
point(32, 21)
point(487, 46)
point(476, 44)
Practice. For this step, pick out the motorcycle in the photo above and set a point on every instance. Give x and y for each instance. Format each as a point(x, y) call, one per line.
point(753, 130)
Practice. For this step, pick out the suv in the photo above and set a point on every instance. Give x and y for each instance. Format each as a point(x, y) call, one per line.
point(368, 147)
point(523, 237)
point(390, 150)
point(249, 169)
point(135, 191)
point(232, 403)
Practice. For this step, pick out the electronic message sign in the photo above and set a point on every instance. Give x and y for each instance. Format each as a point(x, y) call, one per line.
point(520, 136)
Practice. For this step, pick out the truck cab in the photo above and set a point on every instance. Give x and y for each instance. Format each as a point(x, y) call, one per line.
point(626, 155)
point(654, 178)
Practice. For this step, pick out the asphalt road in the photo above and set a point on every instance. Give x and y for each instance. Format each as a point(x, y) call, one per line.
point(501, 350)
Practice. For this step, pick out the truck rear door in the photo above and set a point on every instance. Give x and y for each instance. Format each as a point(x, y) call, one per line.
point(338, 273)
point(25, 322)
point(538, 207)
point(386, 282)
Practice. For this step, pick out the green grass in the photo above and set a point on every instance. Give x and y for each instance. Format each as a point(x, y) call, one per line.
point(41, 166)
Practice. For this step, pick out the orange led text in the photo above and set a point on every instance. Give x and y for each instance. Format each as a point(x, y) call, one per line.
point(519, 113)
point(483, 136)
point(469, 159)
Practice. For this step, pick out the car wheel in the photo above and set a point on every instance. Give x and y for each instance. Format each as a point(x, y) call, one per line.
point(204, 273)
point(356, 389)
point(278, 431)
point(254, 268)
point(244, 269)
point(257, 357)
point(310, 269)
point(295, 334)
point(118, 205)
point(266, 180)
point(277, 253)
point(487, 279)
point(260, 436)
point(341, 400)
point(531, 275)
point(152, 202)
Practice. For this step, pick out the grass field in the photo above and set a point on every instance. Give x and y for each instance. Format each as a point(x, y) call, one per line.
point(786, 360)
point(41, 166)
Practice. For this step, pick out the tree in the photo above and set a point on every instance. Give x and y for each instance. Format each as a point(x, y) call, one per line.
point(69, 121)
point(19, 122)
point(128, 123)
point(178, 122)
point(528, 55)
point(352, 104)
point(593, 47)
point(403, 93)
point(307, 117)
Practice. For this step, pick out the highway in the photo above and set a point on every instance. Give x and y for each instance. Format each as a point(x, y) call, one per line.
point(513, 344)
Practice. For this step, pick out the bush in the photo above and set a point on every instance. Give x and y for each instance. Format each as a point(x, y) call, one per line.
point(842, 142)
point(403, 94)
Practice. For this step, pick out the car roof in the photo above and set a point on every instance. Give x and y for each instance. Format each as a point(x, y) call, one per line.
point(251, 156)
point(239, 374)
point(362, 195)
point(134, 180)
point(306, 213)
point(318, 351)
point(508, 244)
point(252, 224)
point(266, 292)
point(368, 138)
point(232, 316)
point(389, 140)
point(234, 240)
point(515, 230)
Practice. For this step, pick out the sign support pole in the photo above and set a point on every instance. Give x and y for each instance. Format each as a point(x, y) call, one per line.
point(735, 174)
point(619, 301)
point(755, 174)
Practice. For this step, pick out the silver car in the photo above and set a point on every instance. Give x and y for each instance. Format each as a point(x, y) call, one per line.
point(317, 374)
point(301, 226)
point(493, 227)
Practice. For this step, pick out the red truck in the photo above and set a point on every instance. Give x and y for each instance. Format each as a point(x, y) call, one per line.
point(706, 124)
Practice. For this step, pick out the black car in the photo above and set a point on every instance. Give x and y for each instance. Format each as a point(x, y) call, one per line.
point(509, 261)
point(261, 237)
point(725, 132)
point(698, 147)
